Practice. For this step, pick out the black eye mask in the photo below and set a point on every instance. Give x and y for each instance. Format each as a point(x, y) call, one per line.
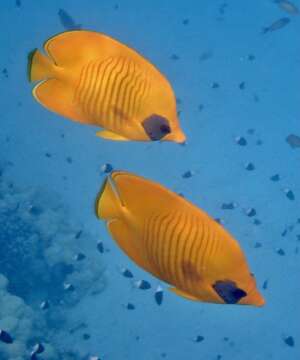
point(156, 127)
point(228, 291)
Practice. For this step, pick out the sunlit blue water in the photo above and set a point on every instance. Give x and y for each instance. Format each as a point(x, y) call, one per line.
point(246, 84)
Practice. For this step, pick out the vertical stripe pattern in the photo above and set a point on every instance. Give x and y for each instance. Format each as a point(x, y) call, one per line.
point(112, 92)
point(179, 247)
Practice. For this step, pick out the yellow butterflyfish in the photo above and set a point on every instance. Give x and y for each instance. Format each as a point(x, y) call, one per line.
point(176, 241)
point(94, 79)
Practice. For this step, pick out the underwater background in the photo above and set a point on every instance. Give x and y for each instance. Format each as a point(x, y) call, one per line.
point(62, 291)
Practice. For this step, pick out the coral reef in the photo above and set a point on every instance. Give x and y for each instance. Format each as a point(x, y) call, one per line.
point(41, 260)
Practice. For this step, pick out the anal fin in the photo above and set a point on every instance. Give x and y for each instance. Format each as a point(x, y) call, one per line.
point(105, 134)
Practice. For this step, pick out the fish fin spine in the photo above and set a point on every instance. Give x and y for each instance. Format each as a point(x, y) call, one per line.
point(109, 204)
point(40, 66)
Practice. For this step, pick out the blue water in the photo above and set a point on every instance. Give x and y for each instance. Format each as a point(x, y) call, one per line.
point(51, 173)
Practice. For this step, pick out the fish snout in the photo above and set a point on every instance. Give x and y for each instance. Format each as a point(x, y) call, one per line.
point(253, 298)
point(177, 136)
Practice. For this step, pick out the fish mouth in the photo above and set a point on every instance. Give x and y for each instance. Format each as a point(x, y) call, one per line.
point(177, 137)
point(253, 298)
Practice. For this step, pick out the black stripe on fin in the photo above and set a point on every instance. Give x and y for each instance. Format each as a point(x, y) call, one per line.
point(96, 205)
point(228, 291)
point(29, 62)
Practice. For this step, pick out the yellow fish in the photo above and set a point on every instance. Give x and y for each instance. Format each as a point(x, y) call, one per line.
point(175, 241)
point(93, 79)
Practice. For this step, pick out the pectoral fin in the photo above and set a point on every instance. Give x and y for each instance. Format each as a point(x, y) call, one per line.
point(105, 134)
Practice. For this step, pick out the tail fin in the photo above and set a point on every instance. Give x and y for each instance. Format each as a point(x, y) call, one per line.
point(39, 66)
point(108, 204)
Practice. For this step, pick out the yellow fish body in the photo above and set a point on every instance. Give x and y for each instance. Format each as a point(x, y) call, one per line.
point(93, 79)
point(175, 241)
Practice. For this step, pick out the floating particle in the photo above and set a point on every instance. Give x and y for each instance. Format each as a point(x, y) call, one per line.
point(256, 98)
point(200, 107)
point(5, 337)
point(283, 234)
point(185, 21)
point(276, 25)
point(18, 3)
point(188, 174)
point(174, 57)
point(38, 348)
point(5, 72)
point(78, 234)
point(81, 325)
point(251, 57)
point(289, 340)
point(79, 257)
point(240, 140)
point(280, 252)
point(48, 155)
point(67, 21)
point(33, 356)
point(206, 55)
point(107, 168)
point(69, 287)
point(265, 285)
point(222, 8)
point(259, 142)
point(159, 295)
point(220, 221)
point(293, 140)
point(181, 194)
point(100, 247)
point(256, 222)
point(163, 355)
point(228, 206)
point(287, 6)
point(116, 7)
point(242, 85)
point(142, 284)
point(44, 305)
point(296, 250)
point(219, 357)
point(250, 212)
point(249, 166)
point(126, 273)
point(86, 336)
point(35, 210)
point(289, 194)
point(198, 338)
point(215, 85)
point(251, 131)
point(275, 177)
point(257, 245)
point(226, 338)
point(130, 306)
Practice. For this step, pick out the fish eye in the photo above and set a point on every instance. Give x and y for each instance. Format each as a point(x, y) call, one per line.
point(165, 129)
point(156, 127)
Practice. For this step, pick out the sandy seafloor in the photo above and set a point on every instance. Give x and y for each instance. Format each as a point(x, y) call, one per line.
point(269, 104)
